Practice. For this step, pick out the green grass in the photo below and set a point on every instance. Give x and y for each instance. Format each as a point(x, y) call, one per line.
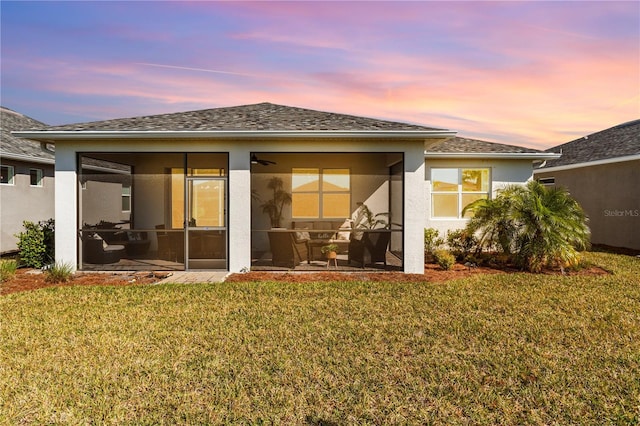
point(507, 349)
point(8, 269)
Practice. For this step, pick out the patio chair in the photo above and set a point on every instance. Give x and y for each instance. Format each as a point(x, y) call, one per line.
point(96, 250)
point(371, 249)
point(286, 249)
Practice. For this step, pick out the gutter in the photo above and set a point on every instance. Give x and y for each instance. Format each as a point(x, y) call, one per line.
point(28, 158)
point(587, 164)
point(495, 155)
point(53, 135)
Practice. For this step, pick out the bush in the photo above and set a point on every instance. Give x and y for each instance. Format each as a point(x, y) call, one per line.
point(7, 269)
point(444, 259)
point(59, 272)
point(537, 227)
point(432, 240)
point(462, 243)
point(36, 243)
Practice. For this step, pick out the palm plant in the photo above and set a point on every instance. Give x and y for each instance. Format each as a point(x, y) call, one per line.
point(543, 227)
point(492, 221)
point(552, 227)
point(365, 218)
point(279, 199)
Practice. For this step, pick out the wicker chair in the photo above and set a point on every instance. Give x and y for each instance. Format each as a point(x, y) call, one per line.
point(286, 249)
point(371, 249)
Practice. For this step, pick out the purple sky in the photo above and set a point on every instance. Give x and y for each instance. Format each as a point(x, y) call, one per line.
point(527, 73)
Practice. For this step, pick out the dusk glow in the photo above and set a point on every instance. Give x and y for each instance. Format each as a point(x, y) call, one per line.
point(535, 74)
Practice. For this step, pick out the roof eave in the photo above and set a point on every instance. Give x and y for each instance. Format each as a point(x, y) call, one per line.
point(27, 158)
point(495, 155)
point(53, 135)
point(588, 164)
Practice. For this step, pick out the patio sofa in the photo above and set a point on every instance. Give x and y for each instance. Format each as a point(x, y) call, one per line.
point(96, 250)
point(322, 232)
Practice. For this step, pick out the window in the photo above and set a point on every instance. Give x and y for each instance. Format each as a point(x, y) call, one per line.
point(35, 176)
point(320, 193)
point(126, 198)
point(454, 189)
point(7, 175)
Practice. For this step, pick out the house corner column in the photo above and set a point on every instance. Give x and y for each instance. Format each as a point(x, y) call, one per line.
point(414, 211)
point(66, 206)
point(239, 211)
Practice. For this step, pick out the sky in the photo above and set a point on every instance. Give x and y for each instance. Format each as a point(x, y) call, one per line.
point(533, 74)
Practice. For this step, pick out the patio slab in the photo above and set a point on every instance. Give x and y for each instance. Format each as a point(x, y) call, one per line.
point(191, 277)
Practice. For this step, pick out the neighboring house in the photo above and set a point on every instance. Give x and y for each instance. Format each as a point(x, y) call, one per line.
point(201, 181)
point(26, 185)
point(602, 172)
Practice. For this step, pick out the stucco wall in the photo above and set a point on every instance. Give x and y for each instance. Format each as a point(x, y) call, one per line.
point(21, 201)
point(610, 196)
point(102, 201)
point(503, 173)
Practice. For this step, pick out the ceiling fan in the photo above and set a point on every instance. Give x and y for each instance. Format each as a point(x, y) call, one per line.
point(255, 160)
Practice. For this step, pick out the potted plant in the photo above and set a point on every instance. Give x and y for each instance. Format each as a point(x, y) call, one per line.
point(279, 199)
point(330, 250)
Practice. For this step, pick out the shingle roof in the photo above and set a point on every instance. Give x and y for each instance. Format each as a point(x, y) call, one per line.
point(17, 146)
point(466, 145)
point(618, 141)
point(256, 117)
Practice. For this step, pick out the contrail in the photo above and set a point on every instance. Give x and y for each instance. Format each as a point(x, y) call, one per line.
point(215, 71)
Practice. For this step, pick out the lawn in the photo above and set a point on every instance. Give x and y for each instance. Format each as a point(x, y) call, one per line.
point(488, 349)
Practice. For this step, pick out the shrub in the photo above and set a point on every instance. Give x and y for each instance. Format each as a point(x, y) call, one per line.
point(432, 240)
point(59, 272)
point(461, 243)
point(7, 269)
point(444, 259)
point(537, 226)
point(36, 243)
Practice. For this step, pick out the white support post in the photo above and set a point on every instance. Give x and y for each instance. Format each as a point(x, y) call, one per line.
point(414, 210)
point(66, 206)
point(239, 213)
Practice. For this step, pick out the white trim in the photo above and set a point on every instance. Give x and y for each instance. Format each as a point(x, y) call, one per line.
point(495, 155)
point(11, 180)
point(588, 164)
point(39, 177)
point(50, 135)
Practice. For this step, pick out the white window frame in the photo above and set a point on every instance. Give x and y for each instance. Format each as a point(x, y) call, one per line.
point(321, 191)
point(11, 171)
point(459, 191)
point(39, 177)
point(128, 195)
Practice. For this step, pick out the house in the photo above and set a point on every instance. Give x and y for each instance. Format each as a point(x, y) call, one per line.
point(26, 185)
point(197, 186)
point(602, 172)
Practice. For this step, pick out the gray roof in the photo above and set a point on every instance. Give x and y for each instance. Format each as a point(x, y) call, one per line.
point(256, 117)
point(618, 141)
point(16, 147)
point(466, 145)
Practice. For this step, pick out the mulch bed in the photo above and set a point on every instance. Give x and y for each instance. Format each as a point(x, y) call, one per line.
point(28, 279)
